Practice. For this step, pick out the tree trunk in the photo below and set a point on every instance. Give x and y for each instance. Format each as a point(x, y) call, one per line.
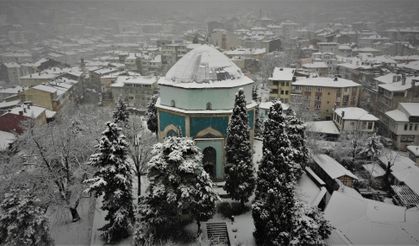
point(199, 227)
point(139, 187)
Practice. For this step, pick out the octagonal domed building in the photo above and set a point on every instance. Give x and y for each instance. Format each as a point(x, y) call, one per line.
point(197, 98)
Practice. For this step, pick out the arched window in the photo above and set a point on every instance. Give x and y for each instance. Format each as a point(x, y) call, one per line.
point(209, 106)
point(173, 103)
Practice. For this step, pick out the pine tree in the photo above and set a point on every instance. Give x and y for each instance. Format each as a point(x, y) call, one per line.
point(278, 217)
point(239, 171)
point(23, 221)
point(113, 180)
point(121, 114)
point(295, 129)
point(179, 186)
point(151, 115)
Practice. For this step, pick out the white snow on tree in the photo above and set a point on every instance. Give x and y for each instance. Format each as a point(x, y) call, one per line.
point(295, 129)
point(179, 187)
point(151, 115)
point(239, 171)
point(121, 114)
point(372, 148)
point(113, 180)
point(278, 217)
point(22, 220)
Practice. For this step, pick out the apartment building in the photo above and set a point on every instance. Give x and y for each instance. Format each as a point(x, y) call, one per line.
point(402, 125)
point(135, 90)
point(280, 84)
point(352, 119)
point(322, 94)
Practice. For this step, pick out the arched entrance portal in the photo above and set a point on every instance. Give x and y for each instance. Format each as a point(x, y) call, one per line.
point(209, 161)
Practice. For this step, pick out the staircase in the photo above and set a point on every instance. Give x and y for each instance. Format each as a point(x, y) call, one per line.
point(217, 233)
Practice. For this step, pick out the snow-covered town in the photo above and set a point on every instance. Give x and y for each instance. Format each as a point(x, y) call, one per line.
point(209, 122)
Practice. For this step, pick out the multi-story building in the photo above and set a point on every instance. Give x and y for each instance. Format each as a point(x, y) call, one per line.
point(329, 47)
point(12, 120)
point(280, 83)
point(319, 68)
point(135, 90)
point(10, 72)
point(402, 125)
point(170, 53)
point(390, 95)
point(322, 95)
point(354, 119)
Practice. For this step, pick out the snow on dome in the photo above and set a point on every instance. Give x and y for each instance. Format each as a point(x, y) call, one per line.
point(202, 65)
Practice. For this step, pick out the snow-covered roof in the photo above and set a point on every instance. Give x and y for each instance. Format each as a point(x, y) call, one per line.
point(8, 104)
point(11, 90)
point(333, 168)
point(412, 109)
point(205, 67)
point(326, 82)
point(360, 221)
point(355, 113)
point(31, 112)
point(399, 86)
point(315, 65)
point(388, 78)
point(308, 191)
point(375, 170)
point(45, 88)
point(283, 74)
point(414, 65)
point(414, 149)
point(136, 79)
point(325, 127)
point(397, 115)
point(245, 51)
point(11, 65)
point(6, 138)
point(404, 170)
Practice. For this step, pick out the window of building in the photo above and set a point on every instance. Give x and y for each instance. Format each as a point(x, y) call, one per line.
point(410, 127)
point(286, 92)
point(370, 125)
point(405, 127)
point(416, 127)
point(209, 106)
point(282, 92)
point(274, 91)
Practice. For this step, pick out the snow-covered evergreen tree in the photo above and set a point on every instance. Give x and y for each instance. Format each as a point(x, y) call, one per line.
point(121, 114)
point(151, 115)
point(277, 215)
point(311, 228)
point(179, 187)
point(113, 180)
point(239, 171)
point(372, 147)
point(295, 129)
point(22, 221)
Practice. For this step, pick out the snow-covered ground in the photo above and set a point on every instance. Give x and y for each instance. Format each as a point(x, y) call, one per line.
point(65, 232)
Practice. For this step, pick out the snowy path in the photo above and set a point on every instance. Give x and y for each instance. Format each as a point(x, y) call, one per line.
point(65, 232)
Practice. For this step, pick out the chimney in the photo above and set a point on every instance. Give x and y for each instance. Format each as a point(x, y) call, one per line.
point(20, 112)
point(336, 78)
point(403, 79)
point(343, 114)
